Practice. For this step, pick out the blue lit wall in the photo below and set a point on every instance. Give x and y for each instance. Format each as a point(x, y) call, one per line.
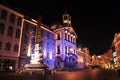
point(47, 45)
point(48, 48)
point(63, 59)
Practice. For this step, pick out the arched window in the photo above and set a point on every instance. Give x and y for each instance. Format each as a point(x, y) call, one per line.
point(2, 27)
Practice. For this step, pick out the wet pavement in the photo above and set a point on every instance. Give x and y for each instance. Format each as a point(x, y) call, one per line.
point(94, 74)
point(88, 74)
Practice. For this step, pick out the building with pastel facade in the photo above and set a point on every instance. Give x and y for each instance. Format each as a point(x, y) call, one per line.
point(116, 45)
point(84, 58)
point(10, 34)
point(65, 43)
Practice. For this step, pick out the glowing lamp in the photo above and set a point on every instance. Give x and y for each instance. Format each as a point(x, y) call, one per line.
point(71, 49)
point(65, 31)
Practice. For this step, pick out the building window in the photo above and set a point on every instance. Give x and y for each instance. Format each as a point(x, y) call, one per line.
point(68, 37)
point(16, 48)
point(10, 31)
point(75, 40)
point(74, 51)
point(58, 36)
point(58, 49)
point(65, 17)
point(17, 33)
point(19, 21)
point(12, 18)
point(4, 14)
point(2, 27)
point(71, 38)
point(65, 49)
point(0, 45)
point(65, 36)
point(7, 46)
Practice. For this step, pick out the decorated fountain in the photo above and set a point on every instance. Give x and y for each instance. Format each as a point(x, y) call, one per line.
point(36, 65)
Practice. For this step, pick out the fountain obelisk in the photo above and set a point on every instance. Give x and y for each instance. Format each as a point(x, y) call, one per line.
point(37, 57)
point(36, 65)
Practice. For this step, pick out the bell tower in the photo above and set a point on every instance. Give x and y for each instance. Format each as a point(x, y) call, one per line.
point(66, 20)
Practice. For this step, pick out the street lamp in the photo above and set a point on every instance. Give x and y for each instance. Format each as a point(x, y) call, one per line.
point(99, 57)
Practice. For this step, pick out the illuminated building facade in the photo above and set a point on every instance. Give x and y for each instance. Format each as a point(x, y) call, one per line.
point(87, 57)
point(17, 42)
point(65, 43)
point(84, 58)
point(28, 43)
point(116, 44)
point(10, 35)
point(58, 44)
point(81, 58)
point(107, 59)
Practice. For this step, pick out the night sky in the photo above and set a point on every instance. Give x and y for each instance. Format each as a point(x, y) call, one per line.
point(94, 21)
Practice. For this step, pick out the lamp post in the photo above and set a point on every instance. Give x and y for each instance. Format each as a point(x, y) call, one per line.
point(99, 60)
